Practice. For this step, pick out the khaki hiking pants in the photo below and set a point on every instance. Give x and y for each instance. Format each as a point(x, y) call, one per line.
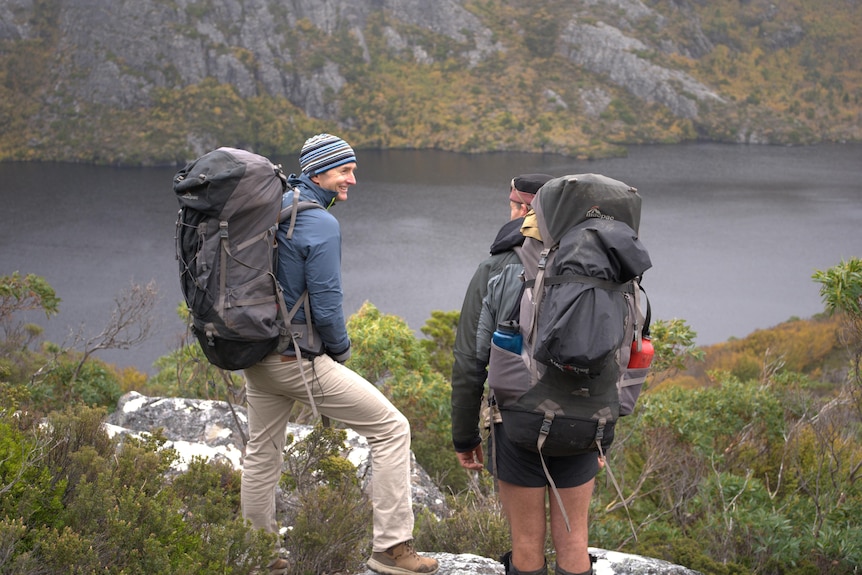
point(273, 385)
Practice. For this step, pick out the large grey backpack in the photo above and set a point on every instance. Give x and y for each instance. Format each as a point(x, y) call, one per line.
point(579, 313)
point(230, 209)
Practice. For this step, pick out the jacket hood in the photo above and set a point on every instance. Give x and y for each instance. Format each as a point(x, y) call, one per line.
point(508, 237)
point(308, 190)
point(569, 200)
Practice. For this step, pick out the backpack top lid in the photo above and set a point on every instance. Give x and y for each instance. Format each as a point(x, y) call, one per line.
point(226, 181)
point(565, 202)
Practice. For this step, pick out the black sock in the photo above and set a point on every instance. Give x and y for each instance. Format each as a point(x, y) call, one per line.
point(560, 571)
point(542, 571)
point(506, 560)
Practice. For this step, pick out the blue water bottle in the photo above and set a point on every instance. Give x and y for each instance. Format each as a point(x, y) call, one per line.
point(508, 336)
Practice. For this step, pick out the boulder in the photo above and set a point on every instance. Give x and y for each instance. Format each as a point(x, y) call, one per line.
point(217, 430)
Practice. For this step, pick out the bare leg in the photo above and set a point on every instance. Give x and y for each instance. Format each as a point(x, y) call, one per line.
point(571, 547)
point(525, 510)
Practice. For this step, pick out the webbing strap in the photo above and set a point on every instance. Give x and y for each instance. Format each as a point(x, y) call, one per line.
point(293, 209)
point(543, 435)
point(538, 288)
point(292, 214)
point(263, 236)
point(617, 487)
point(305, 382)
point(224, 252)
point(492, 403)
point(302, 302)
point(288, 317)
point(596, 282)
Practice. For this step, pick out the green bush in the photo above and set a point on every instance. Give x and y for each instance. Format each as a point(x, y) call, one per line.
point(31, 494)
point(76, 502)
point(386, 352)
point(475, 525)
point(330, 520)
point(747, 476)
point(440, 329)
point(94, 384)
point(729, 475)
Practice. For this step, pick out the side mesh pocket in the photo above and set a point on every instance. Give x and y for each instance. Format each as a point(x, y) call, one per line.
point(630, 386)
point(508, 375)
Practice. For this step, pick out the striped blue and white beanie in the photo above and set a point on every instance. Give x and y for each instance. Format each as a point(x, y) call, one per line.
point(324, 152)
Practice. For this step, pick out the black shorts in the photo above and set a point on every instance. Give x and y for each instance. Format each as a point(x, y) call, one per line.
point(523, 467)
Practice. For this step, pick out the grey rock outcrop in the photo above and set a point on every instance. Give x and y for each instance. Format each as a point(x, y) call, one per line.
point(608, 51)
point(130, 72)
point(14, 23)
point(216, 430)
point(117, 52)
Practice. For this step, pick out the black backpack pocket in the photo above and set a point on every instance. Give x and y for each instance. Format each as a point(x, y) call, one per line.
point(580, 324)
point(567, 435)
point(233, 354)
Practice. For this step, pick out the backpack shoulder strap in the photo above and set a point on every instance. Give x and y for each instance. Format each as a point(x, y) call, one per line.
point(294, 208)
point(538, 289)
point(289, 212)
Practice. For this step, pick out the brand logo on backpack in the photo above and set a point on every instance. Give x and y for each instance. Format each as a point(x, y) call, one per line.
point(570, 369)
point(595, 212)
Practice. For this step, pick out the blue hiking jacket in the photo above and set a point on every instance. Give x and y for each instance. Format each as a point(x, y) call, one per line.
point(312, 260)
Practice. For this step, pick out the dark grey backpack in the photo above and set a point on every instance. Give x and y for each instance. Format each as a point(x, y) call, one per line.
point(579, 313)
point(230, 209)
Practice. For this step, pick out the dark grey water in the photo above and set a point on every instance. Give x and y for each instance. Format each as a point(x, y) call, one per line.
point(734, 232)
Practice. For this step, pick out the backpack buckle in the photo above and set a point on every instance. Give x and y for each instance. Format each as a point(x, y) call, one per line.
point(600, 430)
point(546, 423)
point(543, 258)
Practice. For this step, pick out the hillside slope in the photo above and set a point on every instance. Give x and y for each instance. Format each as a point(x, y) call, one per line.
point(161, 81)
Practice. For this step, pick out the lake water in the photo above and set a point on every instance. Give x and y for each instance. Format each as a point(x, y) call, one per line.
point(734, 232)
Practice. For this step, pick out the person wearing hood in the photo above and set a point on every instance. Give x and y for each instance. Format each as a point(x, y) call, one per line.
point(309, 261)
point(469, 369)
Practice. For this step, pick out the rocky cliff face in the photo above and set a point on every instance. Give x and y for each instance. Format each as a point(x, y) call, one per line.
point(215, 430)
point(621, 70)
point(114, 52)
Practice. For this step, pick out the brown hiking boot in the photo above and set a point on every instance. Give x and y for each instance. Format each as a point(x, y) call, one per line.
point(401, 559)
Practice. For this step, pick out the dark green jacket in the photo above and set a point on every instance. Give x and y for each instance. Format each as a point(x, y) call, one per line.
point(469, 371)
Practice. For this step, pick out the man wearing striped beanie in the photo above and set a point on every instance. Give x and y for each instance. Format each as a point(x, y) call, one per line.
point(309, 262)
point(323, 152)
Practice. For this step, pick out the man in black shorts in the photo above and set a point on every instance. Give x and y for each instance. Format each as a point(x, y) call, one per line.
point(523, 489)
